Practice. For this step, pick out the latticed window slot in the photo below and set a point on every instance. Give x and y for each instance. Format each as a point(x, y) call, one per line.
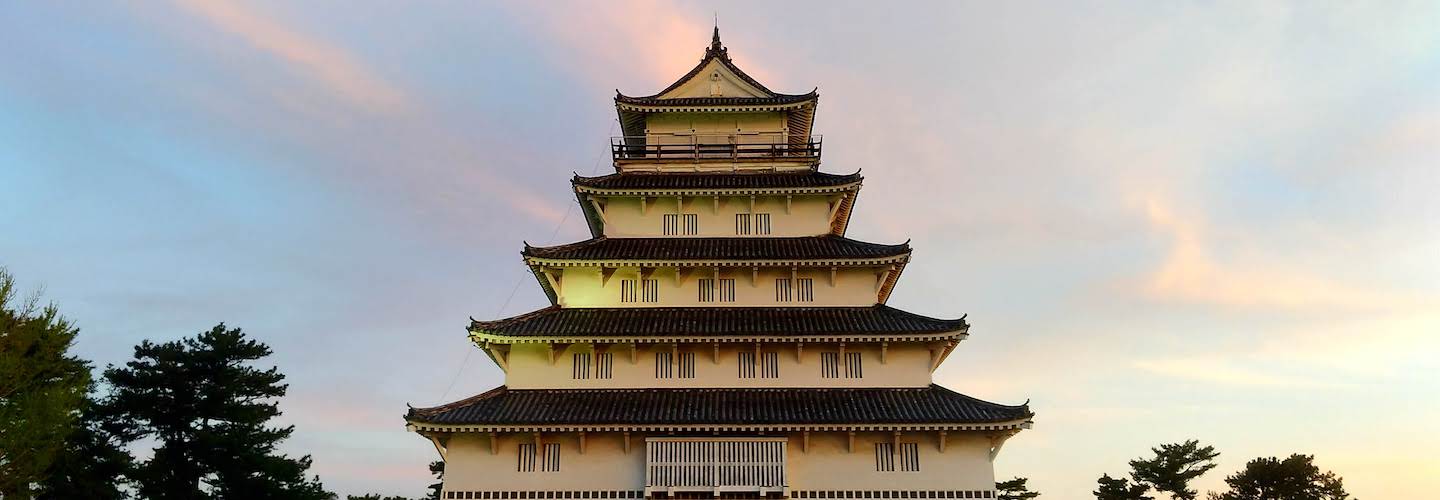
point(762, 223)
point(691, 224)
point(747, 364)
point(687, 365)
point(604, 365)
point(727, 289)
point(664, 365)
point(853, 365)
point(735, 465)
point(805, 290)
point(742, 224)
point(910, 457)
point(580, 366)
point(670, 224)
point(830, 365)
point(525, 459)
point(769, 365)
point(650, 290)
point(885, 457)
point(628, 290)
point(551, 462)
point(783, 290)
point(707, 290)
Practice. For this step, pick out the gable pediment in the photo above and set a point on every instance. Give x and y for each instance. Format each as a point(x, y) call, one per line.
point(714, 79)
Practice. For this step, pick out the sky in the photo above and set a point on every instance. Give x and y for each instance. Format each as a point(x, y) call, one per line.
point(1165, 220)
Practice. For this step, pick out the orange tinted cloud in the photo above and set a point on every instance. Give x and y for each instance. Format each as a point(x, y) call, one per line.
point(333, 67)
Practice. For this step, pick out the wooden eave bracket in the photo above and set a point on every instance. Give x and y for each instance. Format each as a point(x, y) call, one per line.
point(599, 209)
point(605, 274)
point(439, 443)
point(997, 441)
point(501, 353)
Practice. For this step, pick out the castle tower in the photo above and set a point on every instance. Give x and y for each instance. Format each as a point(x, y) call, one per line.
point(718, 336)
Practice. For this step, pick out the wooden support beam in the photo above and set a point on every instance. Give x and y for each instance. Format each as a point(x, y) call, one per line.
point(799, 351)
point(605, 274)
point(884, 349)
point(882, 277)
point(805, 442)
point(851, 443)
point(795, 276)
point(715, 209)
point(501, 353)
point(494, 444)
point(553, 277)
point(627, 442)
point(680, 275)
point(439, 445)
point(634, 353)
point(787, 204)
point(754, 276)
point(582, 442)
point(895, 440)
point(752, 203)
point(833, 270)
point(679, 204)
point(943, 436)
point(997, 441)
point(716, 356)
point(842, 353)
point(835, 207)
point(647, 272)
point(599, 209)
point(643, 208)
point(550, 352)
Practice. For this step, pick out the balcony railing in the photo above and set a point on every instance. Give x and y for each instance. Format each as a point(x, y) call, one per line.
point(718, 465)
point(713, 147)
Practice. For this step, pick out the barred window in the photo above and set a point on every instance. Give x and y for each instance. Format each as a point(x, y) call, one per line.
point(747, 364)
point(885, 457)
point(707, 290)
point(604, 364)
point(664, 364)
point(680, 224)
point(628, 290)
point(552, 458)
point(525, 460)
point(910, 457)
point(650, 290)
point(783, 292)
point(830, 365)
point(762, 223)
point(852, 365)
point(805, 290)
point(742, 223)
point(687, 365)
point(769, 365)
point(580, 366)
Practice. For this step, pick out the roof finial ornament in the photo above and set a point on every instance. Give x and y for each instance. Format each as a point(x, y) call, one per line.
point(715, 47)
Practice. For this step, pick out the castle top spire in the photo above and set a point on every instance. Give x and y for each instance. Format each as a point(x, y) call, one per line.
point(716, 48)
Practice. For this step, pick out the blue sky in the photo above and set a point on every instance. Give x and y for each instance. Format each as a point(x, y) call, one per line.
point(1165, 220)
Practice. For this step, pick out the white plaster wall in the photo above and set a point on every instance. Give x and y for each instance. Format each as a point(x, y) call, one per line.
point(584, 287)
point(964, 465)
point(906, 365)
point(752, 128)
point(807, 216)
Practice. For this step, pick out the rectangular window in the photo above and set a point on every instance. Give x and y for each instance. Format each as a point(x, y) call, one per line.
point(707, 290)
point(680, 224)
point(650, 290)
point(910, 457)
point(727, 289)
point(805, 290)
point(687, 365)
point(852, 365)
point(580, 366)
point(769, 365)
point(670, 224)
point(830, 365)
point(552, 458)
point(664, 365)
point(783, 292)
point(628, 290)
point(525, 461)
point(604, 362)
point(762, 223)
point(692, 224)
point(747, 364)
point(885, 457)
point(742, 223)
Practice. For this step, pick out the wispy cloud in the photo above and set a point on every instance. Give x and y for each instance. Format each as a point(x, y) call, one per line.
point(327, 64)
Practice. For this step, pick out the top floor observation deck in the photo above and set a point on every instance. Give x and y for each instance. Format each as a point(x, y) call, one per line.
point(703, 152)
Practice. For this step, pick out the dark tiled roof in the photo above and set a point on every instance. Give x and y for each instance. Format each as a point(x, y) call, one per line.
point(929, 405)
point(716, 181)
point(716, 321)
point(799, 248)
point(716, 101)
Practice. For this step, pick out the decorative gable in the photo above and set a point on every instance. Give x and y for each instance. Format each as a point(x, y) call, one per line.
point(714, 79)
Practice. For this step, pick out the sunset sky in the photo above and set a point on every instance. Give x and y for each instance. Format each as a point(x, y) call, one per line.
point(1165, 220)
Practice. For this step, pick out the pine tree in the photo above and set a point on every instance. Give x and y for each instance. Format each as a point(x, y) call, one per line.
point(1120, 489)
point(438, 469)
point(1174, 466)
point(42, 389)
point(207, 408)
point(1014, 489)
point(1295, 478)
point(93, 465)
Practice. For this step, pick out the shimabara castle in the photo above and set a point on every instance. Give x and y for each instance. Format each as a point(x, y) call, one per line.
point(719, 336)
